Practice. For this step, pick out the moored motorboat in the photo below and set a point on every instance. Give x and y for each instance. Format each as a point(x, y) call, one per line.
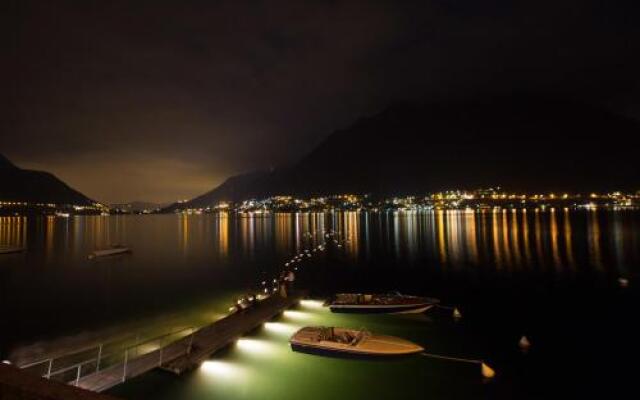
point(112, 251)
point(343, 342)
point(394, 303)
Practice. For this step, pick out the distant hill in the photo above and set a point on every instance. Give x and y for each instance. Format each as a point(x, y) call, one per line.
point(236, 188)
point(5, 163)
point(25, 185)
point(521, 143)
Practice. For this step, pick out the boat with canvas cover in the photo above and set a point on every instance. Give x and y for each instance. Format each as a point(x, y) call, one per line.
point(112, 251)
point(343, 342)
point(393, 303)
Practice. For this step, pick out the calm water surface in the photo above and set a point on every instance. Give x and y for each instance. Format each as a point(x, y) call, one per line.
point(551, 275)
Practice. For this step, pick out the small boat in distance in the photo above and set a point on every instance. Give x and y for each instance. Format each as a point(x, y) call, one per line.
point(112, 251)
point(393, 303)
point(343, 342)
point(11, 249)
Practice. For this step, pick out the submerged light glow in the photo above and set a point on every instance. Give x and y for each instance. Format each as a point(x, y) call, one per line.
point(280, 327)
point(222, 369)
point(316, 304)
point(255, 346)
point(297, 315)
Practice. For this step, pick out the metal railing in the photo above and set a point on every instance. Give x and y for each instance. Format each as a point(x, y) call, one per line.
point(100, 360)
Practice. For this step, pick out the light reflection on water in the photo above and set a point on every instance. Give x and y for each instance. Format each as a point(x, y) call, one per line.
point(507, 240)
point(13, 231)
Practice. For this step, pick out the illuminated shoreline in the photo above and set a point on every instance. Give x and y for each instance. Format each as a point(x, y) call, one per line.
point(483, 199)
point(479, 200)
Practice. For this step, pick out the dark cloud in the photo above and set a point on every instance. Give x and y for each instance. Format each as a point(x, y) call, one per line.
point(176, 96)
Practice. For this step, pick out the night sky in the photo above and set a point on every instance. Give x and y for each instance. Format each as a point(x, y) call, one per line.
point(158, 100)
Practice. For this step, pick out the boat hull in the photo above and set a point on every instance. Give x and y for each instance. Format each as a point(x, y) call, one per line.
point(109, 253)
point(343, 353)
point(381, 309)
point(12, 250)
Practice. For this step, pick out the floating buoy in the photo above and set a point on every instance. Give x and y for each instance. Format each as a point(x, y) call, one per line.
point(487, 371)
point(456, 313)
point(624, 282)
point(524, 343)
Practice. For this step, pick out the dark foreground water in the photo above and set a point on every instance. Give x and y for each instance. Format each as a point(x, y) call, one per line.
point(552, 276)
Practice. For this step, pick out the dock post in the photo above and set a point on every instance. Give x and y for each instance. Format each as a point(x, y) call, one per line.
point(137, 340)
point(190, 341)
point(161, 348)
point(78, 374)
point(99, 356)
point(49, 369)
point(124, 367)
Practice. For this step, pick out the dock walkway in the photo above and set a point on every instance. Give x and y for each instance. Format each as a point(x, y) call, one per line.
point(191, 350)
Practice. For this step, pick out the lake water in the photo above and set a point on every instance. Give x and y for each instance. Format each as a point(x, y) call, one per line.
point(550, 275)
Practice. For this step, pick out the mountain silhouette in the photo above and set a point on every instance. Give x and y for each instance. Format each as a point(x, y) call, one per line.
point(23, 185)
point(522, 143)
point(5, 163)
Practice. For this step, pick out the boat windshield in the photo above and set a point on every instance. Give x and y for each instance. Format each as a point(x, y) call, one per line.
point(343, 336)
point(362, 334)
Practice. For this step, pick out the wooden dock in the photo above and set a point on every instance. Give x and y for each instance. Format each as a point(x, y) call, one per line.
point(190, 351)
